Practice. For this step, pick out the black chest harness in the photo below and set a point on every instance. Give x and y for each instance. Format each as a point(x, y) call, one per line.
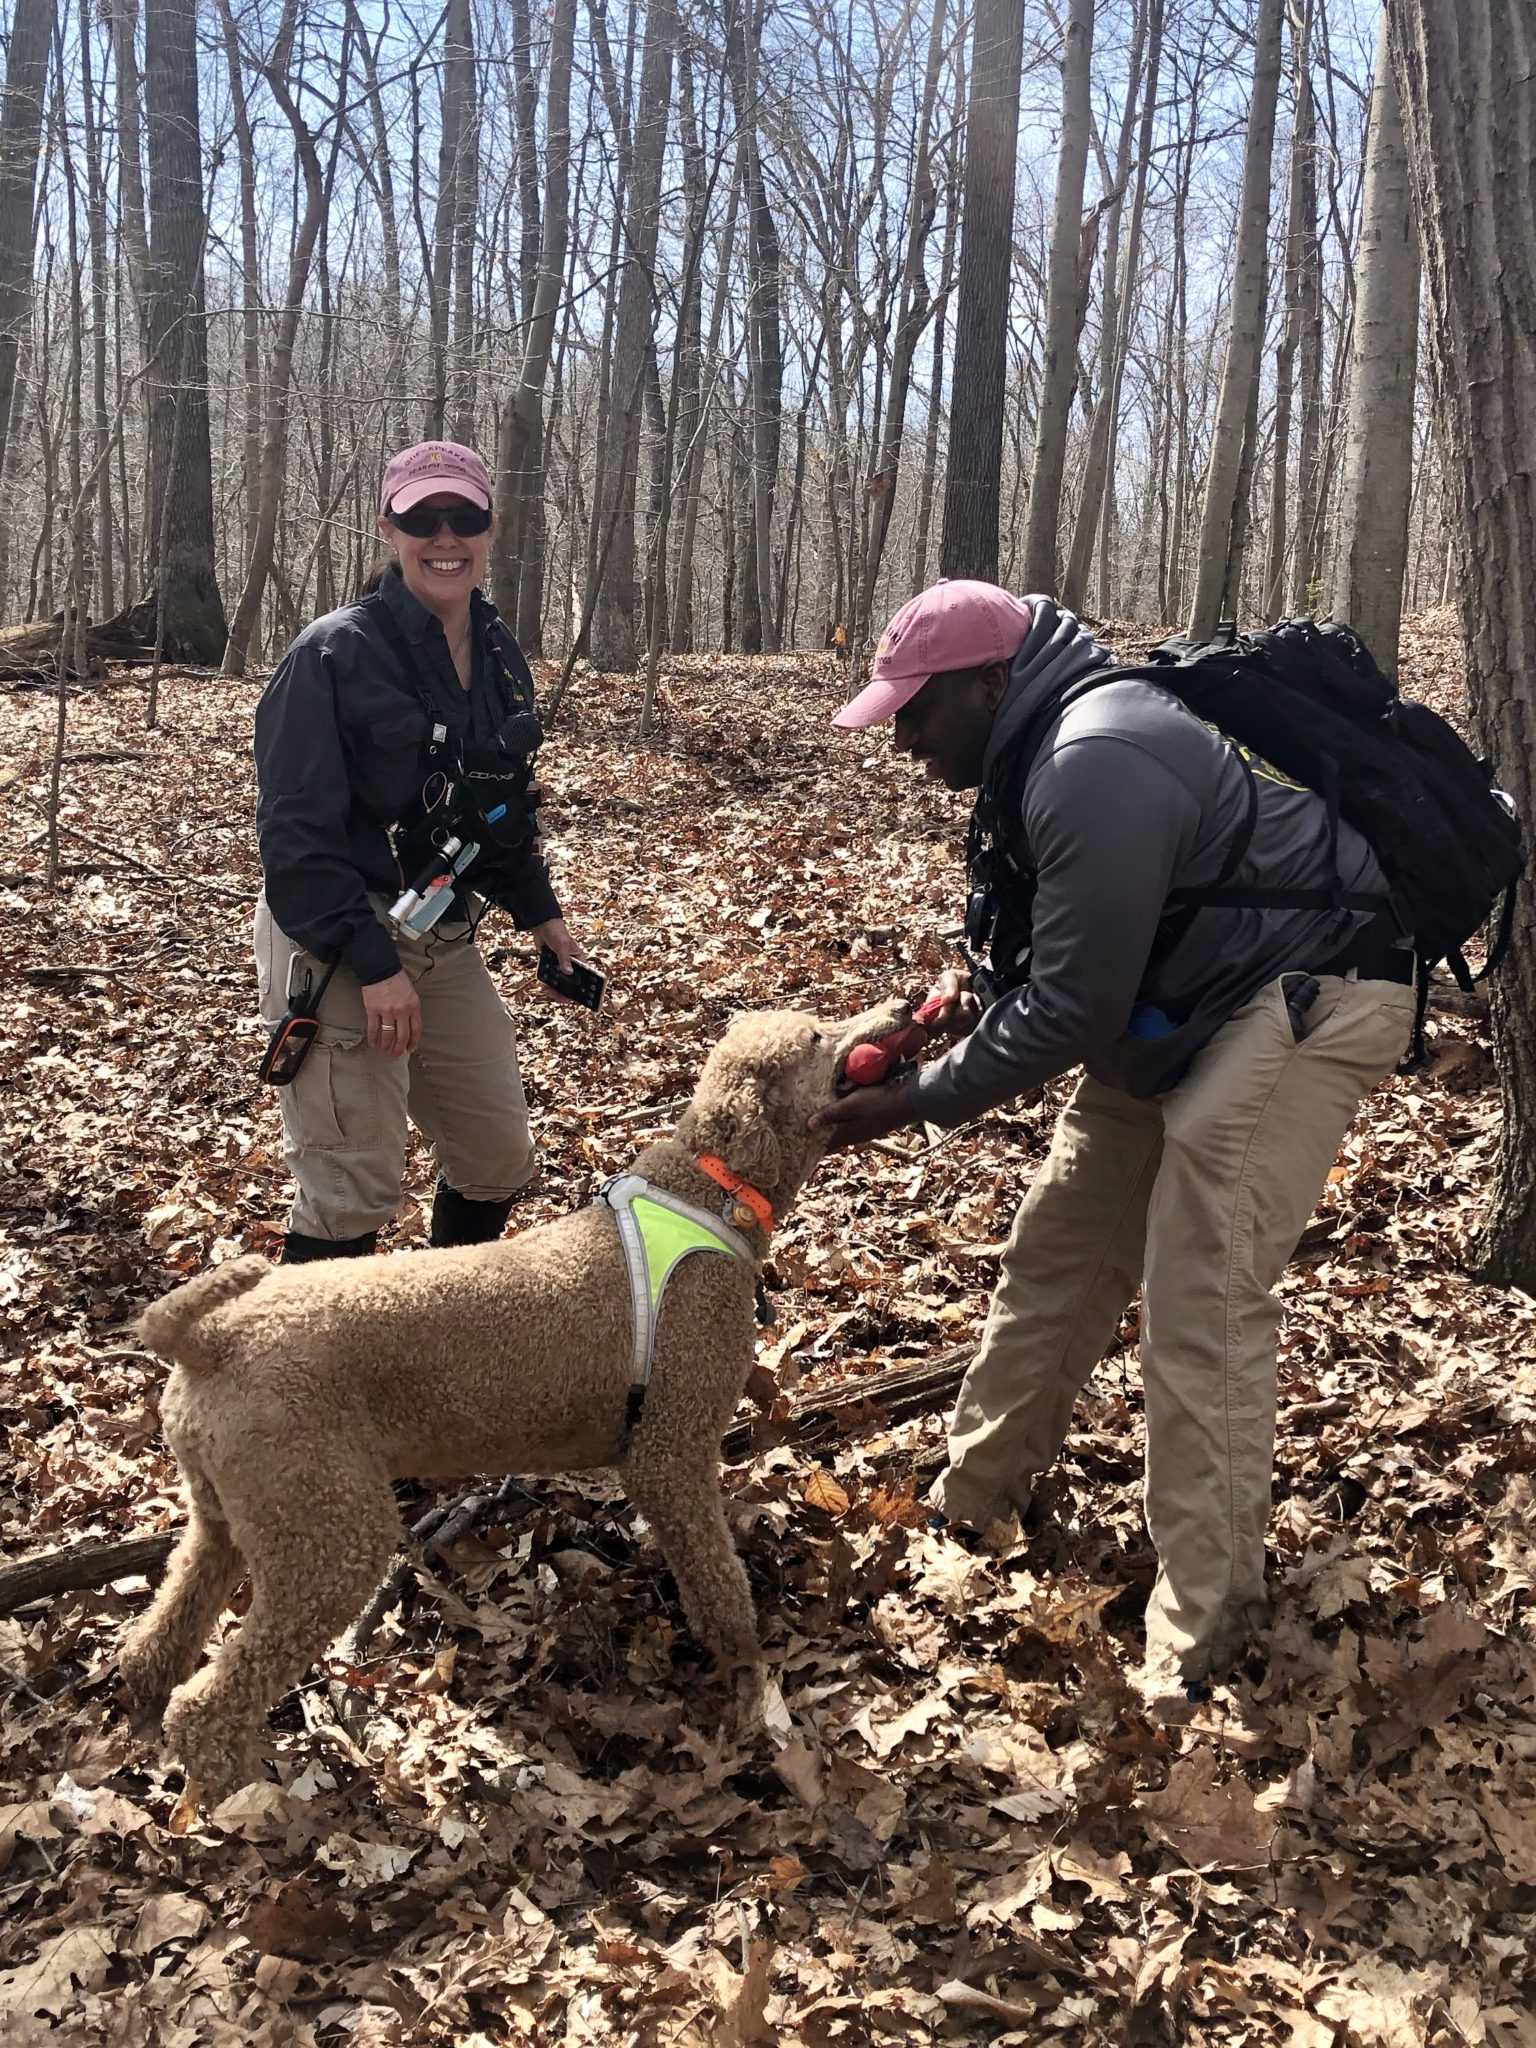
point(480, 793)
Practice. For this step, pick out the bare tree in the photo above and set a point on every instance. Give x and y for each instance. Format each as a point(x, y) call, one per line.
point(1309, 325)
point(250, 265)
point(922, 204)
point(1291, 326)
point(1220, 520)
point(973, 477)
point(930, 470)
point(268, 482)
point(1372, 547)
point(617, 598)
point(21, 127)
point(765, 355)
point(518, 560)
point(101, 281)
point(1058, 372)
point(191, 609)
point(1119, 296)
point(1464, 70)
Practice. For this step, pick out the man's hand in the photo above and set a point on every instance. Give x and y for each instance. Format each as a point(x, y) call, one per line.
point(864, 1115)
point(554, 934)
point(961, 1011)
point(393, 1010)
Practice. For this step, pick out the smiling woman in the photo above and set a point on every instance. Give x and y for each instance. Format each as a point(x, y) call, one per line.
point(395, 752)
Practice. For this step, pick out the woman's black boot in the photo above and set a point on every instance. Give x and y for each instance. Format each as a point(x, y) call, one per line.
point(458, 1220)
point(298, 1249)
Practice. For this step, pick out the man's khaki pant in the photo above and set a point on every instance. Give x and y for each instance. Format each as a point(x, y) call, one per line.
point(1200, 1197)
point(345, 1114)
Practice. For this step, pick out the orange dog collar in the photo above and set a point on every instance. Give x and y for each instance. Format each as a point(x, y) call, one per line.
point(759, 1209)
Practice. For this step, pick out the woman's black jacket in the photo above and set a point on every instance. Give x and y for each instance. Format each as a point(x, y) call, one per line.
point(341, 733)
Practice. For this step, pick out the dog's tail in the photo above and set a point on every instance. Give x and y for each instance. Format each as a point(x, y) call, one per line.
point(173, 1327)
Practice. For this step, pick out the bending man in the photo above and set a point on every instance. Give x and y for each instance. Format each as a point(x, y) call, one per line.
point(1226, 1051)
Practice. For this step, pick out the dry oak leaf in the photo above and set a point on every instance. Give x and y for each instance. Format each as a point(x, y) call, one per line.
point(856, 1846)
point(80, 1956)
point(887, 1736)
point(935, 1900)
point(785, 1873)
point(1512, 1824)
point(1208, 1826)
point(822, 1491)
point(295, 1921)
point(743, 1999)
point(165, 1917)
point(1379, 2003)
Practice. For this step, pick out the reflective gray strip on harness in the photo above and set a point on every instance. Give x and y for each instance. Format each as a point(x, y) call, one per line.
point(658, 1231)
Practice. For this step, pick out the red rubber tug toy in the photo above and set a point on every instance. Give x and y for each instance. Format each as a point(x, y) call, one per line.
point(869, 1064)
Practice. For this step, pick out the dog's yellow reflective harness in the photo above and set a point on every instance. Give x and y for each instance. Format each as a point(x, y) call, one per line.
point(658, 1231)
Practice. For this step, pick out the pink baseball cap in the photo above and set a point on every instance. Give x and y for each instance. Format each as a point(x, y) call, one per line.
point(430, 467)
point(959, 623)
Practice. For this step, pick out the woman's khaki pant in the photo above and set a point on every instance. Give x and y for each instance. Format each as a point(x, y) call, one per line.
point(1200, 1198)
point(345, 1115)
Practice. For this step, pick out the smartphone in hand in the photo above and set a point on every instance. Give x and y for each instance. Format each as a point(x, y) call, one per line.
point(583, 984)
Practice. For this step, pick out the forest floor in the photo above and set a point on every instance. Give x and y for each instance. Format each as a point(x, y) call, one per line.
point(974, 1835)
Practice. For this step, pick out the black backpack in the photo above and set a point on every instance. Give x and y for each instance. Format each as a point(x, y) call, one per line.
point(1311, 700)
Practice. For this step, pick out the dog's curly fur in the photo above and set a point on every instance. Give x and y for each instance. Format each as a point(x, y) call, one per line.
point(298, 1393)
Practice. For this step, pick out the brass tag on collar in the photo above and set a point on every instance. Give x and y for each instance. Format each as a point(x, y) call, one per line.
point(742, 1216)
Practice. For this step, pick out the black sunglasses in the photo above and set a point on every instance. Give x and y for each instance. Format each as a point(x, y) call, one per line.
point(422, 521)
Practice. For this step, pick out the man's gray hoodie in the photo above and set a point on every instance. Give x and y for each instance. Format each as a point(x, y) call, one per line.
point(1131, 796)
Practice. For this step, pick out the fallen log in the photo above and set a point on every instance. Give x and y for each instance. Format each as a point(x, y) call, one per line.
point(80, 1565)
point(854, 1406)
point(29, 655)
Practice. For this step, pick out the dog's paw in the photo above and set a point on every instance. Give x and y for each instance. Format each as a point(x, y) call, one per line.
point(145, 1685)
point(215, 1753)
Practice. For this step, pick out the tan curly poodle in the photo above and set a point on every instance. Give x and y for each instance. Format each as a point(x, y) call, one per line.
point(299, 1392)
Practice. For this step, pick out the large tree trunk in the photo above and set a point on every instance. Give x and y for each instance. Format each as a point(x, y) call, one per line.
point(1378, 458)
point(180, 495)
point(1059, 370)
point(973, 475)
point(613, 631)
point(1464, 71)
point(1219, 519)
point(21, 127)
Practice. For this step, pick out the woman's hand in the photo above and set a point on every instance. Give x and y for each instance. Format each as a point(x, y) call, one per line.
point(393, 1009)
point(961, 1011)
point(554, 934)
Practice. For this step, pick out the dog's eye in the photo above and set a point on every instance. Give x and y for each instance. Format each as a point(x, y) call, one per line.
point(817, 1039)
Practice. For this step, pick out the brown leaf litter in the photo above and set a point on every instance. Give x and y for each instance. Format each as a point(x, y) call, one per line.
point(530, 1816)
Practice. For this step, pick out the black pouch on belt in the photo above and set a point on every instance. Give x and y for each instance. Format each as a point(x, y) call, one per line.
point(295, 1032)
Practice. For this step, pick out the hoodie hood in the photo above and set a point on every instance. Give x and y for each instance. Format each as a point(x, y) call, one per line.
point(1054, 652)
